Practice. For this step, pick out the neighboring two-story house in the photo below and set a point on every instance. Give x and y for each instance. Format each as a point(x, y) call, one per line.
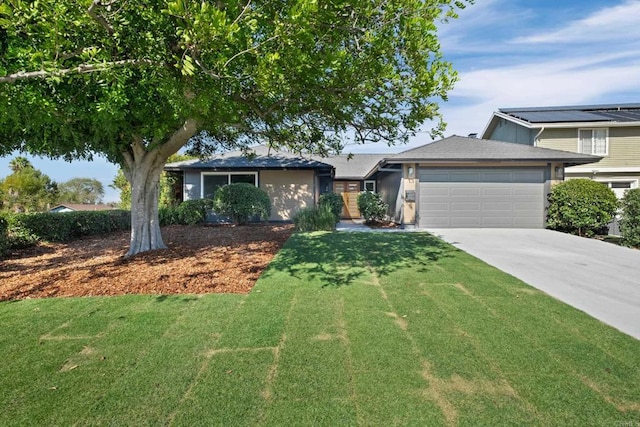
point(610, 131)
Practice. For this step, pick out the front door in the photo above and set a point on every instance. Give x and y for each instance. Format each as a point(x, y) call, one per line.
point(349, 191)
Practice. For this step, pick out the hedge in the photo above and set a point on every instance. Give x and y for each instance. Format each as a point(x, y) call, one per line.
point(27, 229)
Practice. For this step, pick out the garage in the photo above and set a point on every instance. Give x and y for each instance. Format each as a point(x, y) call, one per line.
point(481, 197)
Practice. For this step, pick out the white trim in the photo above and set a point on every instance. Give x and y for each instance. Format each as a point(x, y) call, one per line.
point(228, 174)
point(593, 141)
point(370, 181)
point(592, 169)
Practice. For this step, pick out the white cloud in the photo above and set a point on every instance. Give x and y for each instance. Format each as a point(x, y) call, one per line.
point(613, 23)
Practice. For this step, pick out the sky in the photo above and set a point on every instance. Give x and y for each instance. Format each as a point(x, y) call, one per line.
point(508, 53)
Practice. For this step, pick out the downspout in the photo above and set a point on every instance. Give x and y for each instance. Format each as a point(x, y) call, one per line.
point(535, 138)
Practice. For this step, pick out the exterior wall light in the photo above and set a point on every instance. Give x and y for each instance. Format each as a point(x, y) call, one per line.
point(559, 172)
point(410, 172)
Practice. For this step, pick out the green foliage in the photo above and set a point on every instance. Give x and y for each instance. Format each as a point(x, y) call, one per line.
point(190, 212)
point(334, 202)
point(581, 206)
point(371, 206)
point(4, 236)
point(313, 218)
point(27, 189)
point(29, 228)
point(81, 190)
point(121, 184)
point(630, 222)
point(242, 202)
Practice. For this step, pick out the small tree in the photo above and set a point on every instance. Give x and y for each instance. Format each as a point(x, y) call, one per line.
point(371, 206)
point(581, 206)
point(242, 202)
point(630, 222)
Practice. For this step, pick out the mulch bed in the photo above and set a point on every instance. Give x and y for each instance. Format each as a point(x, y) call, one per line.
point(211, 259)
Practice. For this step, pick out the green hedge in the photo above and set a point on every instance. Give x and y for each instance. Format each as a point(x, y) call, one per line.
point(4, 236)
point(630, 222)
point(26, 229)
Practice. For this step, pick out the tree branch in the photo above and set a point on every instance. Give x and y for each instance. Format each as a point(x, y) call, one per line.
point(80, 69)
point(100, 19)
point(179, 138)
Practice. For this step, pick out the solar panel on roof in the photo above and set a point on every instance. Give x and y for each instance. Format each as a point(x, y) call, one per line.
point(559, 116)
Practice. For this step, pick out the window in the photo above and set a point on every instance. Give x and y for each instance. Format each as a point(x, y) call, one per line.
point(593, 141)
point(211, 181)
point(620, 187)
point(370, 186)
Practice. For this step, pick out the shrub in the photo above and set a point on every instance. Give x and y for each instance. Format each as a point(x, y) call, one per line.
point(242, 202)
point(191, 212)
point(27, 229)
point(371, 206)
point(630, 222)
point(315, 219)
point(334, 202)
point(168, 215)
point(581, 206)
point(4, 236)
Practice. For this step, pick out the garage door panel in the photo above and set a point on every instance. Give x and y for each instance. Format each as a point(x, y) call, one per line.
point(481, 198)
point(464, 222)
point(465, 207)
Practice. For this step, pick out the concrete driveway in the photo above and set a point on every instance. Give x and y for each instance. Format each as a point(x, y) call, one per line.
point(598, 278)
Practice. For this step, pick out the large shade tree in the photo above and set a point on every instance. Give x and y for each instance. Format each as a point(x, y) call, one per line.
point(137, 81)
point(81, 190)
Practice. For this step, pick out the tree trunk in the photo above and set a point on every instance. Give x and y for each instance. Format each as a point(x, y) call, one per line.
point(145, 223)
point(142, 168)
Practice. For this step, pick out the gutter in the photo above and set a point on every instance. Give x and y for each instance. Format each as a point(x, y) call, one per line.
point(535, 138)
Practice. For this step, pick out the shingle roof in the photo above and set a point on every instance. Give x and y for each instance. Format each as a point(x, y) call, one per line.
point(264, 158)
point(356, 167)
point(459, 148)
point(577, 113)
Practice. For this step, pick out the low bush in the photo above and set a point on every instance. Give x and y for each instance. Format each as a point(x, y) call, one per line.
point(372, 207)
point(27, 229)
point(4, 236)
point(630, 222)
point(168, 215)
point(242, 202)
point(581, 206)
point(191, 212)
point(334, 202)
point(320, 218)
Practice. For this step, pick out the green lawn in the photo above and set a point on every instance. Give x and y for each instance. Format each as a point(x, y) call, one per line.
point(372, 329)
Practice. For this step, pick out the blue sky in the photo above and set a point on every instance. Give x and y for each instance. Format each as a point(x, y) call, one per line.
point(508, 53)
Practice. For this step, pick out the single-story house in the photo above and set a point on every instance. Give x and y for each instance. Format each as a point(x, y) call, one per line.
point(292, 182)
point(453, 182)
point(73, 207)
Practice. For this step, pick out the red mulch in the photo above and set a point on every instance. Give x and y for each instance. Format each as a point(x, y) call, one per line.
point(213, 259)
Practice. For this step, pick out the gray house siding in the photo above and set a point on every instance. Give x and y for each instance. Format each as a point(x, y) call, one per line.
point(511, 132)
point(388, 186)
point(192, 185)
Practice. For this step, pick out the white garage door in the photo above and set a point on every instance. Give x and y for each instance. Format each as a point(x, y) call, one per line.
point(481, 198)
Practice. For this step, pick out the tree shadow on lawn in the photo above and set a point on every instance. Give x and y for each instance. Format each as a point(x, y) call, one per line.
point(339, 258)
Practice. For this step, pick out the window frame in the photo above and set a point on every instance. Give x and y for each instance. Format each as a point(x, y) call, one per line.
point(228, 174)
point(593, 143)
point(370, 181)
